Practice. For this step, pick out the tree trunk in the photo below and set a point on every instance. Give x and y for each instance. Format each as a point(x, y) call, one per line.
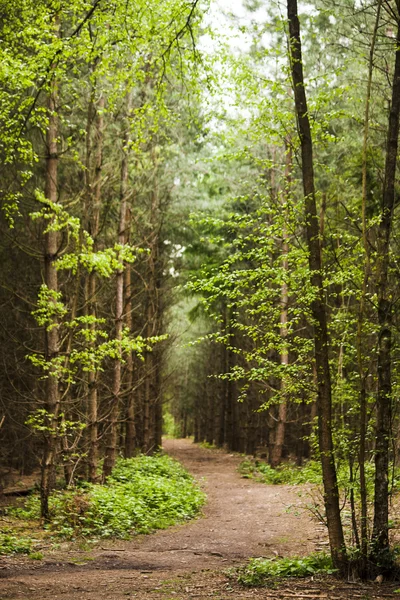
point(324, 399)
point(148, 364)
point(52, 402)
point(139, 402)
point(130, 430)
point(112, 433)
point(362, 307)
point(152, 398)
point(276, 455)
point(158, 409)
point(380, 535)
point(93, 219)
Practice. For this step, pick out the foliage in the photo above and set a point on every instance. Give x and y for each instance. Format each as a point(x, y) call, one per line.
point(262, 571)
point(14, 544)
point(142, 494)
point(310, 472)
point(248, 281)
point(170, 426)
point(286, 473)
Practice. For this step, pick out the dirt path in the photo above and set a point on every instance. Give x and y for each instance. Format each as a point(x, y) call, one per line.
point(241, 519)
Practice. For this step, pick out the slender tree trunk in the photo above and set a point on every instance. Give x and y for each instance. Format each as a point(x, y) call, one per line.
point(362, 307)
point(331, 492)
point(139, 402)
point(354, 527)
point(223, 404)
point(149, 357)
point(130, 435)
point(93, 195)
point(112, 434)
point(52, 402)
point(158, 414)
point(65, 395)
point(380, 535)
point(130, 429)
point(152, 399)
point(148, 363)
point(276, 455)
point(210, 419)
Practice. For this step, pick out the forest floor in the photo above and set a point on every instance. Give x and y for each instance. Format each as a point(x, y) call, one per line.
point(242, 519)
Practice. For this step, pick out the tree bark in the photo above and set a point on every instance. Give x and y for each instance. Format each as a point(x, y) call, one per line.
point(93, 185)
point(362, 307)
point(112, 433)
point(276, 454)
point(380, 534)
point(52, 402)
point(152, 410)
point(130, 430)
point(318, 308)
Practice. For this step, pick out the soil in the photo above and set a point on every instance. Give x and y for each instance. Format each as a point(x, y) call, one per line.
point(242, 519)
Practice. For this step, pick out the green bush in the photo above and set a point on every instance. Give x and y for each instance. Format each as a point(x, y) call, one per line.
point(142, 494)
point(310, 472)
point(286, 473)
point(12, 544)
point(262, 571)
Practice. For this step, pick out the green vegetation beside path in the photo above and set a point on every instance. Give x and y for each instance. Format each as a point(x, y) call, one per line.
point(288, 473)
point(142, 494)
point(268, 572)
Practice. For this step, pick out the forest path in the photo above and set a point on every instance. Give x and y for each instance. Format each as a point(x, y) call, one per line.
point(241, 519)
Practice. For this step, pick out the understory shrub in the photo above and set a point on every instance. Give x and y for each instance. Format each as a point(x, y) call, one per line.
point(310, 472)
point(13, 544)
point(142, 494)
point(263, 571)
point(286, 473)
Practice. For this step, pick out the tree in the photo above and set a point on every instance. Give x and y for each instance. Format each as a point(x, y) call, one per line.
point(52, 342)
point(331, 492)
point(65, 94)
point(380, 534)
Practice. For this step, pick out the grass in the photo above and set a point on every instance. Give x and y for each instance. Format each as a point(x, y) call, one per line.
point(142, 494)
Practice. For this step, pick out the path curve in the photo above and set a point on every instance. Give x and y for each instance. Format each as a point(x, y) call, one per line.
point(241, 519)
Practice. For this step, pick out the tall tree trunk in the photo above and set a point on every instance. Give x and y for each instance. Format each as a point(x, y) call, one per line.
point(152, 398)
point(93, 194)
point(324, 399)
point(276, 454)
point(112, 433)
point(139, 368)
point(158, 414)
point(223, 388)
point(362, 307)
point(69, 467)
point(149, 357)
point(148, 364)
point(52, 402)
point(380, 534)
point(130, 430)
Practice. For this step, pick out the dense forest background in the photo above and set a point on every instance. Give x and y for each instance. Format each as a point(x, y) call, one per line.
point(192, 236)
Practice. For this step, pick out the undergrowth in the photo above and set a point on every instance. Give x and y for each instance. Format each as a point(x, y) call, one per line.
point(310, 472)
point(13, 544)
point(142, 494)
point(286, 473)
point(207, 445)
point(267, 572)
